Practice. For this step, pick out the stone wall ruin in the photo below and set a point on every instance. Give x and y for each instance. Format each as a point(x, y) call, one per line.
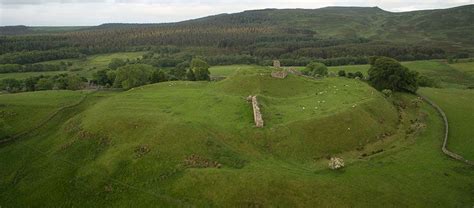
point(279, 74)
point(257, 115)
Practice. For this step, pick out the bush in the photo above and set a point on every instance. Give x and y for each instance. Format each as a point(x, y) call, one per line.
point(359, 74)
point(424, 81)
point(315, 69)
point(44, 84)
point(341, 73)
point(10, 85)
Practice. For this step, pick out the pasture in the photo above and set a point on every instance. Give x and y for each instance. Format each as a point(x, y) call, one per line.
point(458, 104)
point(185, 143)
point(82, 67)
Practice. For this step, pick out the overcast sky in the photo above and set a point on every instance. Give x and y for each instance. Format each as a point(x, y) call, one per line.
point(95, 12)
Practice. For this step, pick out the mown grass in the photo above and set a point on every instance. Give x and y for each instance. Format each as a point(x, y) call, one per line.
point(459, 107)
point(93, 151)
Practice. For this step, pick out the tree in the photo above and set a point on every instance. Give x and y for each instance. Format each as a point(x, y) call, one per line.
point(44, 84)
point(190, 75)
point(158, 76)
point(102, 78)
point(10, 85)
point(74, 82)
point(134, 75)
point(200, 69)
point(341, 73)
point(315, 69)
point(116, 63)
point(111, 74)
point(30, 83)
point(387, 73)
point(179, 72)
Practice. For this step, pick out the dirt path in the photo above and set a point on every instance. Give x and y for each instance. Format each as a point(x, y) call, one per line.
point(446, 133)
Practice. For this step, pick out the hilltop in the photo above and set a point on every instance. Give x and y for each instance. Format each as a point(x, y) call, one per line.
point(326, 33)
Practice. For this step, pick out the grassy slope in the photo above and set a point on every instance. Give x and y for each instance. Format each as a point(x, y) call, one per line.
point(458, 106)
point(92, 155)
point(467, 67)
point(65, 165)
point(20, 112)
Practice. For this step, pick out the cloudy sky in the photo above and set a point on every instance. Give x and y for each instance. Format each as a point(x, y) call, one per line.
point(94, 12)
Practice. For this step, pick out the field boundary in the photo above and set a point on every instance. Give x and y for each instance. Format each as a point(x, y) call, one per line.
point(446, 132)
point(42, 123)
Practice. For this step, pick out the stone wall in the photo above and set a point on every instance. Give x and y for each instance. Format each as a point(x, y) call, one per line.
point(257, 115)
point(279, 74)
point(276, 64)
point(444, 148)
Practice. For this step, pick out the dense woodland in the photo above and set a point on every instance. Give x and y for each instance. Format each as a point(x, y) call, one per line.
point(332, 36)
point(341, 35)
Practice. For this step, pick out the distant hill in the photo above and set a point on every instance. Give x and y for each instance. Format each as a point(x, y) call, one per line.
point(454, 24)
point(324, 33)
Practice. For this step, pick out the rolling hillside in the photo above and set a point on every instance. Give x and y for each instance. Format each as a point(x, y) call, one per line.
point(194, 143)
point(275, 33)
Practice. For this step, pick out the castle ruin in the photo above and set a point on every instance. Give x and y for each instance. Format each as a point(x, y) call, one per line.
point(257, 115)
point(276, 64)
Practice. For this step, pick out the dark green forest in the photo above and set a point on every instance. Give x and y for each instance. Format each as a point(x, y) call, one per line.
point(332, 35)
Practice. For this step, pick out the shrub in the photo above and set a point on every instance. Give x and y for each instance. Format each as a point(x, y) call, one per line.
point(350, 75)
point(315, 69)
point(10, 85)
point(424, 81)
point(341, 73)
point(44, 84)
point(359, 74)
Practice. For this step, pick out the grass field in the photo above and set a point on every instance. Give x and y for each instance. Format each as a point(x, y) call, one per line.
point(85, 68)
point(458, 105)
point(20, 112)
point(466, 67)
point(144, 148)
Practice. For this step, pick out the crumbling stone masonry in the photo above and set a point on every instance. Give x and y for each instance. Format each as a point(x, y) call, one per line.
point(276, 64)
point(257, 115)
point(279, 74)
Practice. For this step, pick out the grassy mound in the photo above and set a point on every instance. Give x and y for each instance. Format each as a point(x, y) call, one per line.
point(20, 112)
point(194, 143)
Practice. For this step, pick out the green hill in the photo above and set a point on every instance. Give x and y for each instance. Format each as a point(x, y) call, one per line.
point(194, 143)
point(326, 33)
